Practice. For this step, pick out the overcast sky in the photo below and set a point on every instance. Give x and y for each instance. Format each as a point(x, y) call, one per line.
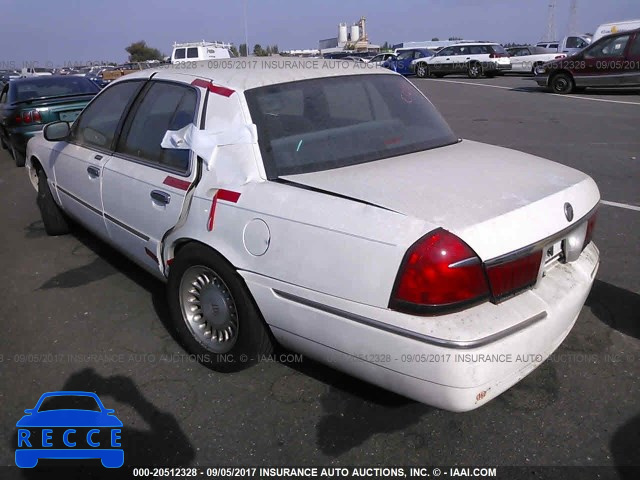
point(81, 31)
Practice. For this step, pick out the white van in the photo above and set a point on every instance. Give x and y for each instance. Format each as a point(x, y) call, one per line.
point(614, 27)
point(192, 52)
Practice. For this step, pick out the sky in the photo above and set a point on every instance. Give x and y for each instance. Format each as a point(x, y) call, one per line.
point(78, 32)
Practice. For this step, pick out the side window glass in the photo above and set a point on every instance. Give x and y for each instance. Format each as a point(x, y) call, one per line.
point(179, 53)
point(97, 124)
point(165, 106)
point(192, 52)
point(635, 48)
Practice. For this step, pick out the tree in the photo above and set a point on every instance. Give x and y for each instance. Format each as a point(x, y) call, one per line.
point(267, 50)
point(234, 51)
point(140, 52)
point(435, 39)
point(275, 50)
point(243, 49)
point(453, 39)
point(257, 50)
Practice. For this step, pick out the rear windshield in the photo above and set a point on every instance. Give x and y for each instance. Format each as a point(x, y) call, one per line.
point(497, 49)
point(69, 402)
point(39, 87)
point(333, 122)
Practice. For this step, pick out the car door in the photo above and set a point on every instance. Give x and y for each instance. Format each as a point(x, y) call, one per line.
point(403, 62)
point(441, 62)
point(631, 72)
point(79, 162)
point(520, 60)
point(144, 185)
point(603, 64)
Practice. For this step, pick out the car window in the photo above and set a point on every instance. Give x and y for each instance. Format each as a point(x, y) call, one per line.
point(612, 47)
point(50, 86)
point(405, 55)
point(345, 120)
point(635, 47)
point(576, 42)
point(97, 124)
point(164, 106)
point(445, 51)
point(69, 402)
point(475, 50)
point(3, 95)
point(192, 52)
point(179, 53)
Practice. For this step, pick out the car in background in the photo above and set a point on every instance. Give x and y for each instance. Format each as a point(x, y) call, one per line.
point(270, 236)
point(615, 27)
point(549, 45)
point(379, 59)
point(612, 61)
point(28, 104)
point(356, 59)
point(525, 59)
point(125, 69)
point(474, 59)
point(7, 75)
point(402, 61)
point(35, 72)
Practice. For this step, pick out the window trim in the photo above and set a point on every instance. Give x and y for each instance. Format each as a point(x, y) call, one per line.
point(131, 113)
point(124, 115)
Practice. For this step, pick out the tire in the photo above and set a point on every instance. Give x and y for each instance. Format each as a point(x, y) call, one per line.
point(474, 70)
point(561, 83)
point(204, 289)
point(422, 70)
point(535, 65)
point(54, 220)
point(17, 157)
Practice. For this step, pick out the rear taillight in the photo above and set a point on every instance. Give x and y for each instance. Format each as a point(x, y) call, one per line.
point(439, 272)
point(31, 116)
point(497, 55)
point(591, 225)
point(513, 274)
point(18, 119)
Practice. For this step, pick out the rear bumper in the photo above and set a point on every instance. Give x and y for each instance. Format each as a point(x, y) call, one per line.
point(19, 137)
point(402, 353)
point(498, 67)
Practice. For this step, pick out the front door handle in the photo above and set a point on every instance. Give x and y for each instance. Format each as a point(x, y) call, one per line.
point(94, 172)
point(158, 196)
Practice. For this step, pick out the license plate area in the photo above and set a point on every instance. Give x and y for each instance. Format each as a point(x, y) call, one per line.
point(69, 116)
point(554, 253)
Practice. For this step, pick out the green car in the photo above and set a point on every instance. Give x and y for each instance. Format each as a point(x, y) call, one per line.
point(28, 104)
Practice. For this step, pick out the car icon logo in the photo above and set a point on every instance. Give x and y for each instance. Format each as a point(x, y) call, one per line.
point(53, 430)
point(568, 211)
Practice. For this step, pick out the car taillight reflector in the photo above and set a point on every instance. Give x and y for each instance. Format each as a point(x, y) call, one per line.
point(591, 225)
point(439, 272)
point(18, 118)
point(511, 276)
point(31, 116)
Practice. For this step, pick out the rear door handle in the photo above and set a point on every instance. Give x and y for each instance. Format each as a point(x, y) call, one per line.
point(160, 197)
point(94, 172)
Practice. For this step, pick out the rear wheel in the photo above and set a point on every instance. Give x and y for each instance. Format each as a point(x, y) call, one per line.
point(54, 220)
point(474, 70)
point(422, 70)
point(562, 83)
point(213, 312)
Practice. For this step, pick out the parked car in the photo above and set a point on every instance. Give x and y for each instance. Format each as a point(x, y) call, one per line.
point(35, 72)
point(27, 104)
point(525, 59)
point(7, 75)
point(612, 61)
point(335, 212)
point(114, 73)
point(380, 58)
point(401, 62)
point(549, 45)
point(194, 51)
point(474, 59)
point(569, 45)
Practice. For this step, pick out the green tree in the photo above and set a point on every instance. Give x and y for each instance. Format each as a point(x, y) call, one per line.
point(267, 50)
point(234, 51)
point(275, 50)
point(435, 39)
point(140, 52)
point(257, 50)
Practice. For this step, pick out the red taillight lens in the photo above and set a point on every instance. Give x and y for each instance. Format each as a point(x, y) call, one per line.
point(27, 117)
point(36, 116)
point(18, 118)
point(591, 225)
point(439, 272)
point(32, 116)
point(509, 277)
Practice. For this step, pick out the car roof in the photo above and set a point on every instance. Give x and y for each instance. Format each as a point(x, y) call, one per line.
point(245, 74)
point(468, 44)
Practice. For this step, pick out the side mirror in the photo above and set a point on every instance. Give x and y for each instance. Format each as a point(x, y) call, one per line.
point(56, 131)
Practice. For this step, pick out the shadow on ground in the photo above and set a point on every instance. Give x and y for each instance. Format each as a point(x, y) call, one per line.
point(625, 446)
point(163, 443)
point(616, 307)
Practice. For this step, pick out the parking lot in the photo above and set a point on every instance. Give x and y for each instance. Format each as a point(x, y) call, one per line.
point(77, 315)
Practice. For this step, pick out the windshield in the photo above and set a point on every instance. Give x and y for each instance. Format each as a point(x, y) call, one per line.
point(326, 123)
point(69, 402)
point(40, 87)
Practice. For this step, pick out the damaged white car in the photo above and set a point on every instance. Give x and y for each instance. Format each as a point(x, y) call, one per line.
point(334, 211)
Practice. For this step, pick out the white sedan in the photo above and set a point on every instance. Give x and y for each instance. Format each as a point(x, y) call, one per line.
point(526, 59)
point(334, 211)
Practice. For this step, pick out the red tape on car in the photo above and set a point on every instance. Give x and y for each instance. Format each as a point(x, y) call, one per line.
point(177, 183)
point(221, 194)
point(217, 89)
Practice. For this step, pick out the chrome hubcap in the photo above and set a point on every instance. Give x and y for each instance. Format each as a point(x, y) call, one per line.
point(208, 309)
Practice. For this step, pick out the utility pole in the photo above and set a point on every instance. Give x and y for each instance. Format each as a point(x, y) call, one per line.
point(246, 34)
point(550, 34)
point(573, 18)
